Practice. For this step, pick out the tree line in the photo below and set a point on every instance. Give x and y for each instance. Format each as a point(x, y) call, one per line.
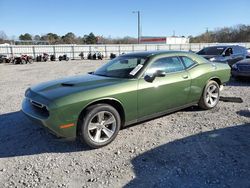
point(239, 33)
point(53, 38)
point(71, 38)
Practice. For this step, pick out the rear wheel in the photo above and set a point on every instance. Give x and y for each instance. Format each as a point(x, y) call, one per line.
point(210, 96)
point(100, 125)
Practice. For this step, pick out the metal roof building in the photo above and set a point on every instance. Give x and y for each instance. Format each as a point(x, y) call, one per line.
point(164, 40)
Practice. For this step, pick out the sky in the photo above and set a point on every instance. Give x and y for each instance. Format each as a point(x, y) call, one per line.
point(114, 18)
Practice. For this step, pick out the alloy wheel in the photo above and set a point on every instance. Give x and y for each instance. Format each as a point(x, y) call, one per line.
point(212, 95)
point(102, 126)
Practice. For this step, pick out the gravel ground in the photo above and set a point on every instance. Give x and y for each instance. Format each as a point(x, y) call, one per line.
point(190, 148)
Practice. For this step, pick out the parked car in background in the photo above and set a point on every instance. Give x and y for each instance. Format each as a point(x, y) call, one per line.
point(241, 69)
point(129, 89)
point(248, 53)
point(229, 54)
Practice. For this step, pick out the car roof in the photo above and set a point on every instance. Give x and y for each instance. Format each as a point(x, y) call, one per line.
point(153, 53)
point(223, 46)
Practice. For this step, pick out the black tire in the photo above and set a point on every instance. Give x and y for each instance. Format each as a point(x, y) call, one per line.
point(90, 114)
point(203, 103)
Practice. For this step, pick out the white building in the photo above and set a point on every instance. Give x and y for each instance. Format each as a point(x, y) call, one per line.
point(164, 40)
point(4, 44)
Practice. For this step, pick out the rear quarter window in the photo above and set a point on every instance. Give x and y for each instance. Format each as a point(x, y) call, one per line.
point(187, 61)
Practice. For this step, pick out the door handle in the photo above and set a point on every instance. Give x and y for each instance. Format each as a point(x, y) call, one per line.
point(185, 76)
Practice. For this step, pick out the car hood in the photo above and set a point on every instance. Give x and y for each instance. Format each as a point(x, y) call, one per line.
point(244, 62)
point(66, 86)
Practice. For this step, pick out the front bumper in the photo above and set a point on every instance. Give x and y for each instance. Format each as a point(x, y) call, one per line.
point(52, 120)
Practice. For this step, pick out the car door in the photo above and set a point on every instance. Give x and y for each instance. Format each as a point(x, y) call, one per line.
point(163, 93)
point(235, 56)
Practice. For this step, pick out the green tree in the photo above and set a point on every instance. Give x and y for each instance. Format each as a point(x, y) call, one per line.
point(25, 36)
point(69, 38)
point(52, 38)
point(238, 33)
point(90, 39)
point(3, 37)
point(37, 38)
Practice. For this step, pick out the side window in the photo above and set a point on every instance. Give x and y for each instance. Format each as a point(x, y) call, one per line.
point(187, 62)
point(243, 50)
point(229, 52)
point(166, 64)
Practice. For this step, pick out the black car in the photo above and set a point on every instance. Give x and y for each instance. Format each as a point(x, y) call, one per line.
point(241, 69)
point(225, 54)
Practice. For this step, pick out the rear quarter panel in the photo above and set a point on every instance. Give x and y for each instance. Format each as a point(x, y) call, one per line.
point(204, 72)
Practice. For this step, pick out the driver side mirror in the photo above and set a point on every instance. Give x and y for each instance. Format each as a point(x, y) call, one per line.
point(158, 73)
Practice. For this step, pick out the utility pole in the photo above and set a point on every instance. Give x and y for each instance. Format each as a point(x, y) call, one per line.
point(139, 25)
point(207, 34)
point(206, 29)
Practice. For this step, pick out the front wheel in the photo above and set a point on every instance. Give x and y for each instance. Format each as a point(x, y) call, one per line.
point(210, 96)
point(100, 125)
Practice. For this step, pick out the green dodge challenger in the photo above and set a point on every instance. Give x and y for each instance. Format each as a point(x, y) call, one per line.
point(129, 89)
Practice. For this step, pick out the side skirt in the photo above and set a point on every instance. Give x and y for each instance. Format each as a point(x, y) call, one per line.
point(158, 114)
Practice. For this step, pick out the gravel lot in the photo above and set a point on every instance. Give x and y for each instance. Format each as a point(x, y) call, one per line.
point(190, 148)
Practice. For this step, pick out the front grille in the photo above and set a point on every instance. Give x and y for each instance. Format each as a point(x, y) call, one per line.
point(39, 108)
point(244, 68)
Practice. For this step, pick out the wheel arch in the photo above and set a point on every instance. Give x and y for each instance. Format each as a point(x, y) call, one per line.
point(216, 79)
point(110, 101)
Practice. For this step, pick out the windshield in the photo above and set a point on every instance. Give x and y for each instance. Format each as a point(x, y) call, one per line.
point(121, 67)
point(212, 51)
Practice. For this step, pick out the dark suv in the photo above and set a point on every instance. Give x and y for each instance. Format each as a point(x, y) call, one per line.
point(230, 54)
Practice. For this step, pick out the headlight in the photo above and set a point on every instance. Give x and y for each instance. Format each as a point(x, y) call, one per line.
point(212, 59)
